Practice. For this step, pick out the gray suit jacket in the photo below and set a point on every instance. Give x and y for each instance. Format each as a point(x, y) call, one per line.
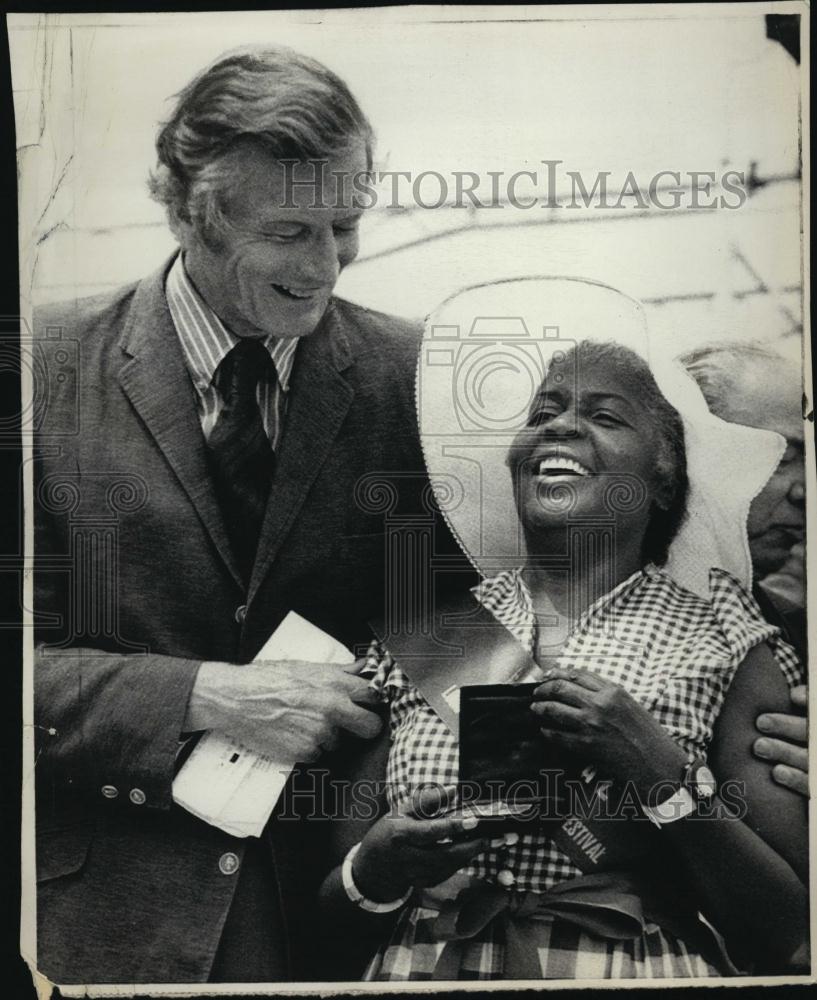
point(136, 584)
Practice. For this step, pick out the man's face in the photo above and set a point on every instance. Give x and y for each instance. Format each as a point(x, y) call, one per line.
point(273, 270)
point(770, 399)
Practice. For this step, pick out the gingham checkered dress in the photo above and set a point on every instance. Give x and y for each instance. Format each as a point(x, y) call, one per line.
point(676, 654)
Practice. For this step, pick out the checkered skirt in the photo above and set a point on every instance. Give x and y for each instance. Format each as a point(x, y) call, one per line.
point(676, 654)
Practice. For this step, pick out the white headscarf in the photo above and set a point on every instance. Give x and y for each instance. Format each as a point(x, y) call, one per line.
point(485, 353)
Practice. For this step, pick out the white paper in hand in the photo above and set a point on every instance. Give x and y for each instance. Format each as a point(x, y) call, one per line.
point(230, 786)
point(297, 639)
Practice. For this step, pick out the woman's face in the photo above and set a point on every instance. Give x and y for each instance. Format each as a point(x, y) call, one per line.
point(589, 449)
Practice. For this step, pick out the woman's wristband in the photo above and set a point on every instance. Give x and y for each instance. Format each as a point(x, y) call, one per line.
point(357, 896)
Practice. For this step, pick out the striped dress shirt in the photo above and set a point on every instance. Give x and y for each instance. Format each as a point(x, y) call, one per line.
point(205, 343)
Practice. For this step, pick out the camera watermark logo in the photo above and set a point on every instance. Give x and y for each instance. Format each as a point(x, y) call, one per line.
point(48, 365)
point(489, 372)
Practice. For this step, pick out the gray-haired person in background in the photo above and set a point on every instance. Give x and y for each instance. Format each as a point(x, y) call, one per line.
point(758, 385)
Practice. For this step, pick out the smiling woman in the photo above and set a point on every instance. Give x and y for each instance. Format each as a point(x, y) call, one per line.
point(632, 431)
point(627, 623)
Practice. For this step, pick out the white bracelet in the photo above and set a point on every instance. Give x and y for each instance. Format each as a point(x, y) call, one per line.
point(677, 806)
point(357, 896)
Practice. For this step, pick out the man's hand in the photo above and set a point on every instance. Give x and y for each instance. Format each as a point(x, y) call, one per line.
point(785, 743)
point(292, 710)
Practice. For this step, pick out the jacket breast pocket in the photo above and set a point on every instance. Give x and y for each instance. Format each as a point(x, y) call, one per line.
point(62, 851)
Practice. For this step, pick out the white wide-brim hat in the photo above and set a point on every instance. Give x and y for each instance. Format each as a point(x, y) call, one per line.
point(484, 354)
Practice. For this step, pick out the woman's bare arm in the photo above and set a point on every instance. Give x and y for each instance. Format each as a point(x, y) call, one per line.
point(748, 869)
point(771, 810)
point(752, 874)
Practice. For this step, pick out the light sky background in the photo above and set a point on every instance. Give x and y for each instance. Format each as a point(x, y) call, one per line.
point(618, 89)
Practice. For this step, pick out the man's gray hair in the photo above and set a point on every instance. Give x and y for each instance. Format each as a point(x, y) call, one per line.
point(720, 367)
point(268, 96)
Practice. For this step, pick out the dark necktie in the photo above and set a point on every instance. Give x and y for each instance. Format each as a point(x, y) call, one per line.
point(241, 456)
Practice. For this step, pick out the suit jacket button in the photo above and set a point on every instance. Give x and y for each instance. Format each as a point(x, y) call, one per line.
point(241, 613)
point(137, 796)
point(109, 791)
point(228, 863)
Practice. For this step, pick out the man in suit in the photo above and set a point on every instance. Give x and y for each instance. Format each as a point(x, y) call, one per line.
point(203, 474)
point(750, 383)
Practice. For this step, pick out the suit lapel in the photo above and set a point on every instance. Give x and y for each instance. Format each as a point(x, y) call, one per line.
point(319, 399)
point(156, 380)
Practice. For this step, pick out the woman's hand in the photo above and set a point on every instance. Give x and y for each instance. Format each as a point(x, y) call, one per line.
point(600, 721)
point(407, 850)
